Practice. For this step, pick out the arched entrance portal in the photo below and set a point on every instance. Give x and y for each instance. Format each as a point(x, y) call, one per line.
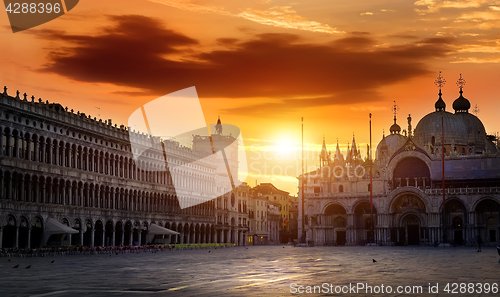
point(455, 214)
point(36, 233)
point(127, 234)
point(335, 219)
point(411, 225)
point(119, 233)
point(9, 232)
point(406, 209)
point(488, 220)
point(363, 225)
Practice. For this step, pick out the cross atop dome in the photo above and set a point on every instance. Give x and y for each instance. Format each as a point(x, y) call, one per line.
point(395, 109)
point(440, 81)
point(461, 82)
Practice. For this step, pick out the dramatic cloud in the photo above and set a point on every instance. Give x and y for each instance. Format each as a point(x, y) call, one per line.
point(276, 16)
point(140, 52)
point(432, 6)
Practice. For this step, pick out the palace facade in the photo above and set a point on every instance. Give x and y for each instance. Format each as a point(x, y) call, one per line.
point(407, 185)
point(65, 166)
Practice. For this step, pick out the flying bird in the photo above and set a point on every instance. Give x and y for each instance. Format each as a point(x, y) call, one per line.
point(16, 266)
point(28, 267)
point(52, 261)
point(374, 261)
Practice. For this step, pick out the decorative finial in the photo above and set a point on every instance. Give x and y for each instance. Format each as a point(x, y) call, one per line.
point(395, 109)
point(475, 110)
point(17, 94)
point(461, 83)
point(395, 127)
point(25, 96)
point(32, 98)
point(440, 81)
point(5, 90)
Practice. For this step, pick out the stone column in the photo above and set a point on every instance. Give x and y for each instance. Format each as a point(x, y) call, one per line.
point(92, 234)
point(62, 154)
point(22, 196)
point(1, 235)
point(16, 238)
point(35, 150)
point(81, 236)
point(112, 243)
point(2, 183)
point(80, 196)
point(29, 238)
point(8, 145)
point(43, 192)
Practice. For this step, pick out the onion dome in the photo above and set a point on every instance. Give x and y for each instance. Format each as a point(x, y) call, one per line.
point(440, 105)
point(461, 104)
point(395, 128)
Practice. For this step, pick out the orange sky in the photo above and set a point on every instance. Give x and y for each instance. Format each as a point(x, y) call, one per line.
point(264, 64)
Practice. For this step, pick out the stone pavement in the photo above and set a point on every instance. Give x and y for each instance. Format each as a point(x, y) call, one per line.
point(256, 271)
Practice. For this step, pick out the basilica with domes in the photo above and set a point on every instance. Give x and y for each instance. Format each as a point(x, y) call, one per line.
point(407, 184)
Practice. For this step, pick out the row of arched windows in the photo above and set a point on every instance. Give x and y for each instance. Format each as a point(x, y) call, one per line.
point(32, 188)
point(32, 147)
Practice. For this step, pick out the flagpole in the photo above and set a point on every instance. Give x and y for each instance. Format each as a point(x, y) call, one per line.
point(371, 182)
point(303, 240)
point(442, 168)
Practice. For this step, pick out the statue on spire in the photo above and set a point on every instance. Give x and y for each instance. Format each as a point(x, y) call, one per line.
point(409, 125)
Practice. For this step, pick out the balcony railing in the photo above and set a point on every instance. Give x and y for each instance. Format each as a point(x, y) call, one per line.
point(428, 191)
point(463, 191)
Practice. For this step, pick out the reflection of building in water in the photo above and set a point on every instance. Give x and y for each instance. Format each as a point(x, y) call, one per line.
point(80, 171)
point(407, 184)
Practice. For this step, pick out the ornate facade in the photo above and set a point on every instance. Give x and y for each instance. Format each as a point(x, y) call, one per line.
point(407, 185)
point(80, 171)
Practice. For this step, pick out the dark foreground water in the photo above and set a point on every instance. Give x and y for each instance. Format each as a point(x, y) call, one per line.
point(259, 271)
